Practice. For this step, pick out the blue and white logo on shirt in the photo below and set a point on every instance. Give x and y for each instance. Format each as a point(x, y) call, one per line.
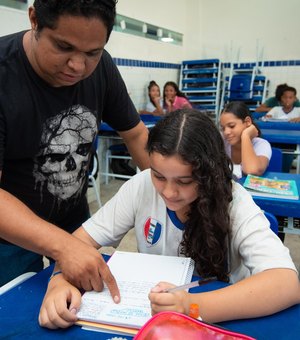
point(152, 231)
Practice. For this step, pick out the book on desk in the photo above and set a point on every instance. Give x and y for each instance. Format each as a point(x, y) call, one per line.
point(270, 119)
point(270, 187)
point(136, 274)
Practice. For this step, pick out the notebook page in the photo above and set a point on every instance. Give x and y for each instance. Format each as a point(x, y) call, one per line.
point(153, 268)
point(136, 274)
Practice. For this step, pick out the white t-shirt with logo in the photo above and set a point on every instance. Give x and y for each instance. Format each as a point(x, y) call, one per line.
point(253, 247)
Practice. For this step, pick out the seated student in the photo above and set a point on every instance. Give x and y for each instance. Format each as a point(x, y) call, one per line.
point(201, 213)
point(286, 111)
point(275, 101)
point(155, 104)
point(174, 99)
point(249, 153)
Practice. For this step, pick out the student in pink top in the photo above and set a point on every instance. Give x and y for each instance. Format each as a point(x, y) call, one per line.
point(174, 99)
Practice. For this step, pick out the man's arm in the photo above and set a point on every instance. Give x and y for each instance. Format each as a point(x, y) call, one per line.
point(80, 263)
point(135, 140)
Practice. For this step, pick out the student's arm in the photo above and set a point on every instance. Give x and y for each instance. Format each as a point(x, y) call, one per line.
point(295, 120)
point(145, 112)
point(80, 262)
point(263, 108)
point(156, 112)
point(135, 140)
point(62, 299)
point(262, 294)
point(159, 111)
point(251, 163)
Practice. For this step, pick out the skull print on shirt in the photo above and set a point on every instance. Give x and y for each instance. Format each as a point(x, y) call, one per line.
point(66, 142)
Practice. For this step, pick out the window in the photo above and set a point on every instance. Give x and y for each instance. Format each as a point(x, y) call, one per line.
point(143, 29)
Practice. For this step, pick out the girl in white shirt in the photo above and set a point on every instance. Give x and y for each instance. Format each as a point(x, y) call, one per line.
point(193, 208)
point(287, 111)
point(249, 153)
point(155, 103)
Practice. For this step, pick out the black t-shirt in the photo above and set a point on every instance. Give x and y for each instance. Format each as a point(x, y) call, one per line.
point(46, 133)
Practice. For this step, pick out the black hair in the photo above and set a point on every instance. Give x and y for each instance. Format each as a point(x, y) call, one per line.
point(176, 88)
point(241, 111)
point(49, 11)
point(290, 89)
point(152, 84)
point(194, 137)
point(279, 91)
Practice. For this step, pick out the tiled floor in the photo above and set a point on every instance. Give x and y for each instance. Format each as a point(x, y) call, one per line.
point(129, 243)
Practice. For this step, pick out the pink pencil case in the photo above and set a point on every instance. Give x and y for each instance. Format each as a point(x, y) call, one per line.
point(176, 326)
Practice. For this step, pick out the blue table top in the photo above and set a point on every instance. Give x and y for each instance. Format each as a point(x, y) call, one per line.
point(19, 310)
point(149, 121)
point(279, 206)
point(277, 125)
point(281, 136)
point(105, 128)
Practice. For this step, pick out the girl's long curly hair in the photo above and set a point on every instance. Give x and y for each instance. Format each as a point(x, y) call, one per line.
point(194, 137)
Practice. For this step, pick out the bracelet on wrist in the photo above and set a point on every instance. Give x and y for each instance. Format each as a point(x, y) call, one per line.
point(194, 311)
point(54, 274)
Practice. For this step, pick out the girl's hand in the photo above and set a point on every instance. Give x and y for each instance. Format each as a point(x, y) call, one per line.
point(156, 101)
point(60, 304)
point(168, 102)
point(178, 301)
point(251, 131)
point(295, 120)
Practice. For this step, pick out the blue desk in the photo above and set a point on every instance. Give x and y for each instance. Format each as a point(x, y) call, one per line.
point(277, 125)
point(284, 137)
point(20, 306)
point(148, 120)
point(280, 207)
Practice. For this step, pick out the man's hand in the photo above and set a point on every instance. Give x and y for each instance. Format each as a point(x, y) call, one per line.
point(84, 267)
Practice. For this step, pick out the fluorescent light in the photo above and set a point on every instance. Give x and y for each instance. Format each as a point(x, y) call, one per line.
point(168, 38)
point(145, 28)
point(123, 24)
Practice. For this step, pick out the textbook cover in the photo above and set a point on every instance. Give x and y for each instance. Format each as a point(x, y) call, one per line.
point(269, 187)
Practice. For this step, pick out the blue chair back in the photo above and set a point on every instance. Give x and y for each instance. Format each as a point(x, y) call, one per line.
point(240, 87)
point(273, 222)
point(275, 163)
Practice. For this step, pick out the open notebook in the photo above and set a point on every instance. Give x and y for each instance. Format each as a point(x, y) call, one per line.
point(136, 274)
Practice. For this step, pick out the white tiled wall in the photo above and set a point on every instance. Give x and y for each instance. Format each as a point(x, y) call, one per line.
point(283, 74)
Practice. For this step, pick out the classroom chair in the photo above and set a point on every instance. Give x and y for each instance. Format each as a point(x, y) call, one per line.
point(122, 169)
point(273, 222)
point(275, 163)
